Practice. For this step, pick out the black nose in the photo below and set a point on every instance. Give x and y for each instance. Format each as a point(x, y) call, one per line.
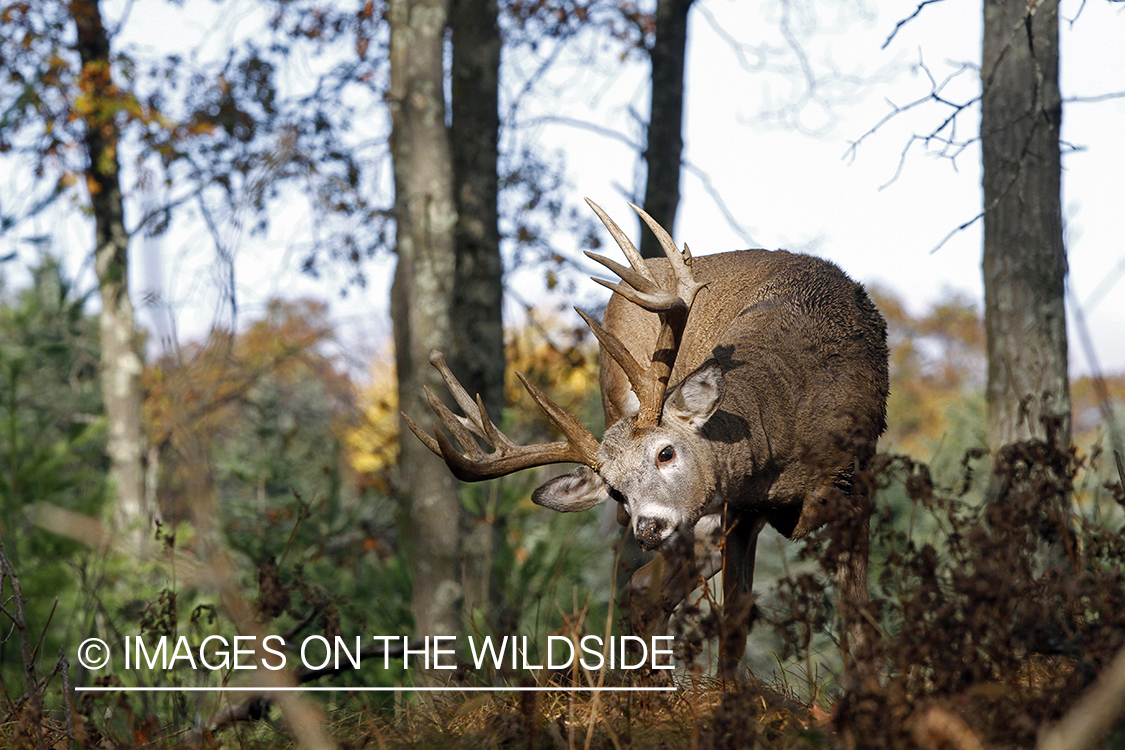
point(649, 532)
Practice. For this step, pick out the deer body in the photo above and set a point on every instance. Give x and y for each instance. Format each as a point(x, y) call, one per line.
point(803, 356)
point(765, 391)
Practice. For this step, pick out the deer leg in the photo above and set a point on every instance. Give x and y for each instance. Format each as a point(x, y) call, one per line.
point(854, 595)
point(740, 546)
point(658, 587)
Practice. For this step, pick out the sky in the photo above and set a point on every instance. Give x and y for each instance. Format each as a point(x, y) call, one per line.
point(888, 218)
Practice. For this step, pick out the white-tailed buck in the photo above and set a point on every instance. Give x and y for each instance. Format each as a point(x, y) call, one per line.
point(739, 389)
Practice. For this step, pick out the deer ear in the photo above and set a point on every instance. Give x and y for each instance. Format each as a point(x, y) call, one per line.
point(696, 398)
point(577, 490)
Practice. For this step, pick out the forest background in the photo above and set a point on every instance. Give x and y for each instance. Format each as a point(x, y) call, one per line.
point(257, 151)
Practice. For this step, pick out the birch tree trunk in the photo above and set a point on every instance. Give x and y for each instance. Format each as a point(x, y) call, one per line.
point(120, 359)
point(1025, 262)
point(421, 298)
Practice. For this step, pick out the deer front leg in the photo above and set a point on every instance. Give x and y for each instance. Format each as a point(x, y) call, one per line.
point(859, 635)
point(658, 587)
point(739, 550)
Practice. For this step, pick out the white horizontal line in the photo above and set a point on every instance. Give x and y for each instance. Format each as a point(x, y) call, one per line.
point(104, 689)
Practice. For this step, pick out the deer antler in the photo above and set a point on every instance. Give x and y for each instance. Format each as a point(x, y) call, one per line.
point(473, 464)
point(672, 305)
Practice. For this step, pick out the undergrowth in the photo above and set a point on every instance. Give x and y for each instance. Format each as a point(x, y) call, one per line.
point(992, 611)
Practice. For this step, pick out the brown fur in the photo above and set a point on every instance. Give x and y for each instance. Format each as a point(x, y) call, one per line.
point(804, 358)
point(777, 397)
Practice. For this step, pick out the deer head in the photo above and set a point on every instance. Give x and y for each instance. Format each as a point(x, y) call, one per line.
point(654, 461)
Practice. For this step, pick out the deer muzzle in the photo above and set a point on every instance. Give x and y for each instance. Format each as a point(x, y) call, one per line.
point(650, 532)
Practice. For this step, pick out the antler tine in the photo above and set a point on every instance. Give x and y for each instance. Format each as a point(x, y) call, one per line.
point(639, 377)
point(579, 440)
point(638, 281)
point(638, 289)
point(460, 395)
point(462, 428)
point(658, 302)
point(671, 300)
point(471, 464)
point(492, 435)
point(680, 260)
point(426, 438)
point(661, 233)
point(623, 241)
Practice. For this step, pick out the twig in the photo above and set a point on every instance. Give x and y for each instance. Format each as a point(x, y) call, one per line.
point(908, 19)
point(940, 727)
point(19, 619)
point(595, 703)
point(709, 186)
point(952, 148)
point(959, 228)
point(290, 635)
point(43, 633)
point(573, 122)
point(1101, 388)
point(255, 707)
point(68, 701)
point(1092, 718)
point(1095, 98)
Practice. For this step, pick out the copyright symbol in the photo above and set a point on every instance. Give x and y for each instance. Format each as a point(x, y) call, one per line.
point(93, 654)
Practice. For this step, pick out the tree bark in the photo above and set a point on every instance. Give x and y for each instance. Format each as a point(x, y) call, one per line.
point(1025, 262)
point(664, 146)
point(421, 298)
point(665, 143)
point(478, 331)
point(121, 363)
point(475, 135)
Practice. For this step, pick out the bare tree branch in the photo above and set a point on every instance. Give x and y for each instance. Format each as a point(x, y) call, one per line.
point(573, 122)
point(908, 19)
point(19, 621)
point(956, 230)
point(712, 191)
point(951, 146)
point(817, 83)
point(1094, 99)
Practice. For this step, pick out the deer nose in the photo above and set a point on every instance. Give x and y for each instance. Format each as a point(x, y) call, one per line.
point(649, 532)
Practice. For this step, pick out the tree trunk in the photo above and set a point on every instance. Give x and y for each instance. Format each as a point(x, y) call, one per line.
point(478, 332)
point(665, 143)
point(120, 360)
point(1024, 259)
point(664, 147)
point(421, 298)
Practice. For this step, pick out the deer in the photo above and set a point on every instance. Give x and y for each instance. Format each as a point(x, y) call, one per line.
point(739, 388)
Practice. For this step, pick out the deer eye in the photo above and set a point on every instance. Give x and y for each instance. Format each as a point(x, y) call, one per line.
point(667, 453)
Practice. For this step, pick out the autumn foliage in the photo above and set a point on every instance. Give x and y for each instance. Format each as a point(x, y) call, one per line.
point(986, 635)
point(245, 396)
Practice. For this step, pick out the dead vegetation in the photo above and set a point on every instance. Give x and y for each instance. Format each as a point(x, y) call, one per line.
point(990, 631)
